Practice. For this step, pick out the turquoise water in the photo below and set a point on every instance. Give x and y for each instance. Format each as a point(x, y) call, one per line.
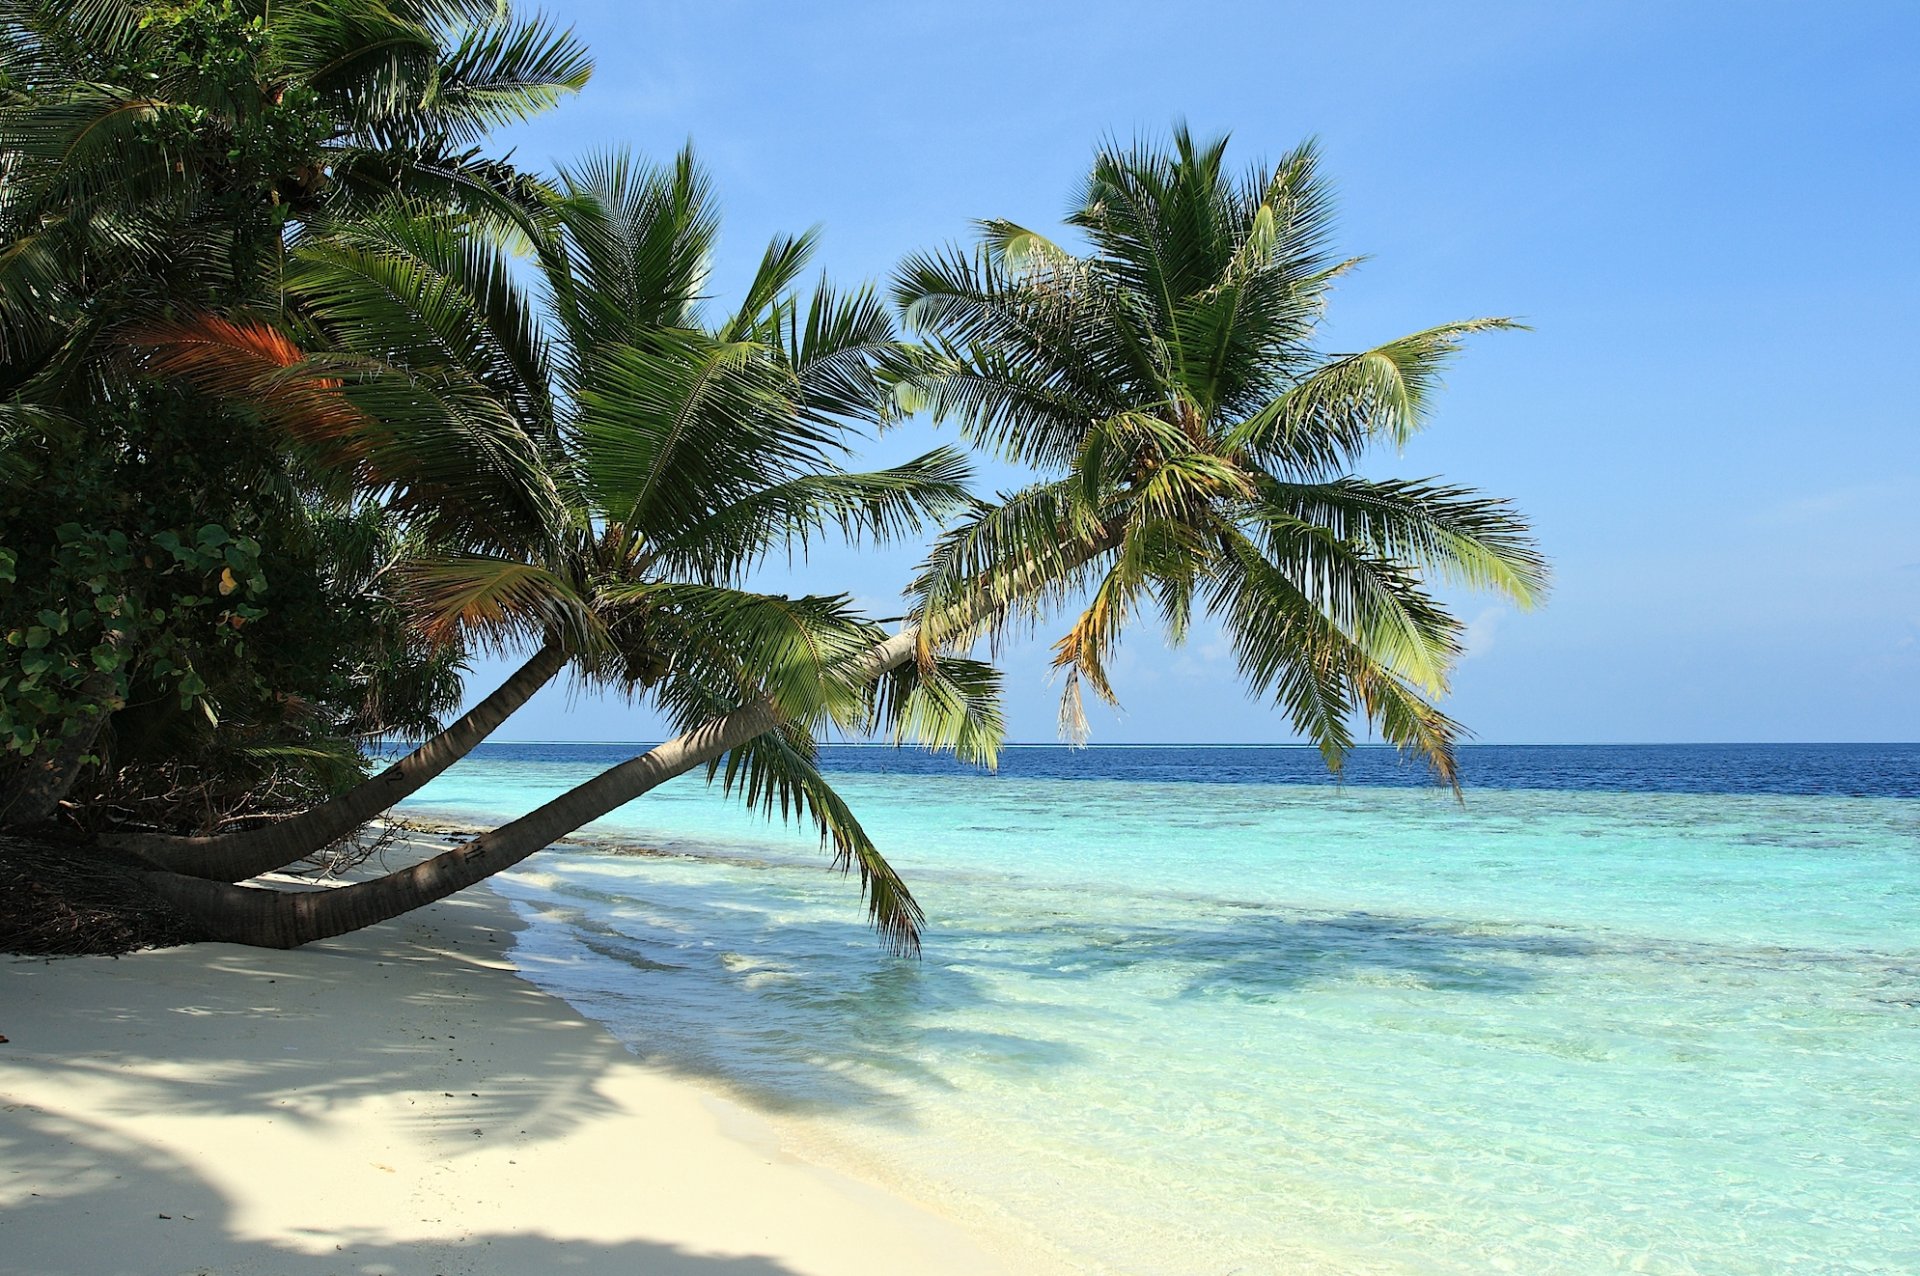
point(1263, 1026)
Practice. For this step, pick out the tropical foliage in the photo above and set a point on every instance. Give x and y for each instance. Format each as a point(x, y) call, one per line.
point(1207, 450)
point(601, 479)
point(157, 152)
point(167, 556)
point(304, 397)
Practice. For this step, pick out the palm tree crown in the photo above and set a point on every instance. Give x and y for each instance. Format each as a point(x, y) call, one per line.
point(1198, 449)
point(601, 461)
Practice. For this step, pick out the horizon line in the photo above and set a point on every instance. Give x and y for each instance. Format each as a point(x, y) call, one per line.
point(1283, 744)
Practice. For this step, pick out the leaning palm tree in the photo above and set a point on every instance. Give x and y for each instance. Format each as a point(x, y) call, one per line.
point(1202, 452)
point(599, 483)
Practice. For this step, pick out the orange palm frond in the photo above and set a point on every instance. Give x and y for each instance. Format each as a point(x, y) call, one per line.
point(254, 364)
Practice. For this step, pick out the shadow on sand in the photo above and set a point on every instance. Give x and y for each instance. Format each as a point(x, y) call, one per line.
point(129, 1210)
point(99, 1045)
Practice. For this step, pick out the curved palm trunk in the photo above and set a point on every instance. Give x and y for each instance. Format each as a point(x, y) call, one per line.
point(287, 919)
point(233, 857)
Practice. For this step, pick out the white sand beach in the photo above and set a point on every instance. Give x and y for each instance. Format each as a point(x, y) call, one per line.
point(394, 1102)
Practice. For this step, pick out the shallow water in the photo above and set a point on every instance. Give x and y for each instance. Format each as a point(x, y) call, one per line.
point(1185, 1011)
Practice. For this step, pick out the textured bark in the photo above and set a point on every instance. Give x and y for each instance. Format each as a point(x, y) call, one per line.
point(287, 919)
point(234, 857)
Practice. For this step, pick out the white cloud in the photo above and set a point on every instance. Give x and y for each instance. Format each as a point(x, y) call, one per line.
point(1201, 656)
point(1825, 506)
point(1481, 631)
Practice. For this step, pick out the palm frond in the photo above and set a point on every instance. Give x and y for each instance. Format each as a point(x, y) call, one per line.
point(412, 287)
point(766, 295)
point(683, 424)
point(802, 654)
point(420, 440)
point(638, 243)
point(502, 71)
point(1464, 538)
point(1011, 559)
point(500, 602)
point(1288, 647)
point(775, 772)
point(837, 346)
point(1377, 603)
point(1082, 652)
point(1340, 406)
point(948, 704)
point(25, 431)
point(880, 505)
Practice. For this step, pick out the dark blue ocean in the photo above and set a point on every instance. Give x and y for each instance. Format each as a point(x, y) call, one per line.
point(1836, 770)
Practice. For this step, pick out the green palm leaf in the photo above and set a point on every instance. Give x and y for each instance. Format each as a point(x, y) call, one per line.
point(775, 772)
point(1196, 449)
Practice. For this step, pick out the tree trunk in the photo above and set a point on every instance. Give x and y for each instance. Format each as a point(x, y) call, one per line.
point(35, 795)
point(287, 919)
point(234, 857)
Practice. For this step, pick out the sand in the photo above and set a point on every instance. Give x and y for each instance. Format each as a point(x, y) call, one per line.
point(394, 1102)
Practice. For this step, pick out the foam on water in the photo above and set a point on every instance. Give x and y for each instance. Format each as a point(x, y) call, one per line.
point(1185, 1027)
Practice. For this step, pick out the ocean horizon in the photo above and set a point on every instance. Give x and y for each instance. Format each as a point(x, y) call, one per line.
point(1197, 1008)
point(1297, 744)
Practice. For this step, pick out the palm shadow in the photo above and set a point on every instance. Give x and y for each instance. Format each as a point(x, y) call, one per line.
point(871, 1013)
point(1264, 954)
point(874, 1016)
point(112, 1207)
point(530, 1069)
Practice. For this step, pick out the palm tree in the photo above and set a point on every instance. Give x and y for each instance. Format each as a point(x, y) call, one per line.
point(755, 733)
point(1203, 451)
point(175, 143)
point(600, 482)
point(1198, 450)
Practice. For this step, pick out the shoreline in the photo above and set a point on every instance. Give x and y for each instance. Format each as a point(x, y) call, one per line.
point(398, 1101)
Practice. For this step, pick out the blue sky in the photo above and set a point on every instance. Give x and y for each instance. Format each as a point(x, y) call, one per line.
point(1706, 211)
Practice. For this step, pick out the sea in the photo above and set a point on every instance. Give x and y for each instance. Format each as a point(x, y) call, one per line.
point(1204, 1010)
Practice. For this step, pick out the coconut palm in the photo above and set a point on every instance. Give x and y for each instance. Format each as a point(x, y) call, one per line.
point(600, 481)
point(1202, 450)
point(1198, 451)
